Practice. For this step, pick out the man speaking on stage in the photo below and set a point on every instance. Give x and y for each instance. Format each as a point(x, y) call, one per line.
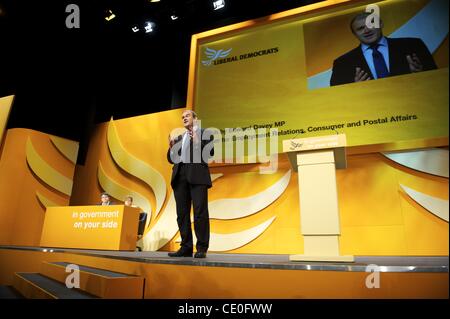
point(190, 181)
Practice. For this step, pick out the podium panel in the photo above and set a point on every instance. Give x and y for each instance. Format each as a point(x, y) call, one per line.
point(317, 185)
point(91, 227)
point(316, 160)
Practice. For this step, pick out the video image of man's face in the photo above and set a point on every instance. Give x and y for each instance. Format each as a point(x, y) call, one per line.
point(365, 34)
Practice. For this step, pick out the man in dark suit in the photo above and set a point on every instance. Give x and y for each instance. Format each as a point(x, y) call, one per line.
point(190, 181)
point(378, 57)
point(105, 200)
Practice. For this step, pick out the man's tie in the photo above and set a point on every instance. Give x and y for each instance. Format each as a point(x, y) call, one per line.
point(379, 63)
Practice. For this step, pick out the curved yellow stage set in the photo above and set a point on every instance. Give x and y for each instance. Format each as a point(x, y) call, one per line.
point(36, 172)
point(259, 213)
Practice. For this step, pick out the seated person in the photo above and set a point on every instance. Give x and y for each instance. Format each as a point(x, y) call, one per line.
point(142, 218)
point(105, 200)
point(129, 201)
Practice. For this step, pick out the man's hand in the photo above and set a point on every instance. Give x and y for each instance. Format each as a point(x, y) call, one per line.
point(171, 141)
point(414, 63)
point(361, 75)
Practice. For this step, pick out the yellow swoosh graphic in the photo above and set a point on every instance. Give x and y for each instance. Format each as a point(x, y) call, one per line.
point(164, 229)
point(232, 208)
point(45, 201)
point(436, 206)
point(119, 191)
point(433, 161)
point(136, 167)
point(45, 172)
point(225, 242)
point(68, 148)
point(215, 176)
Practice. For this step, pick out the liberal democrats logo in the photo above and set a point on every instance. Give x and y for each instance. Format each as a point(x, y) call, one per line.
point(214, 55)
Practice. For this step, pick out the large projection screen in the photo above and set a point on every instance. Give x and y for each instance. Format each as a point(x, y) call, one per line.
point(276, 72)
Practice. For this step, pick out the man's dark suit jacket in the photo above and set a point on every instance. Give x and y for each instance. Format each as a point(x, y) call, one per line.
point(196, 173)
point(108, 204)
point(344, 67)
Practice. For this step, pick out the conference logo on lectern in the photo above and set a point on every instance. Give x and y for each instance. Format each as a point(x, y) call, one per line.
point(216, 57)
point(294, 146)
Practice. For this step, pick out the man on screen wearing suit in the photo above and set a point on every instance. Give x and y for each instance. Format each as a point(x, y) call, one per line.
point(190, 181)
point(378, 57)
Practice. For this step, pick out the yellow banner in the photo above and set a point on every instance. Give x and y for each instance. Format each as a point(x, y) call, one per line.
point(91, 227)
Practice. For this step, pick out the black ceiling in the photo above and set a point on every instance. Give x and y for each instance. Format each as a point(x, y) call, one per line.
point(65, 80)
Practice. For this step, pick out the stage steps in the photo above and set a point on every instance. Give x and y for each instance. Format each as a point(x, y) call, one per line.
point(94, 283)
point(38, 286)
point(9, 292)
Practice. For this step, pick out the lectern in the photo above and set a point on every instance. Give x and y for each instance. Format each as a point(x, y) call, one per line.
point(316, 160)
point(112, 227)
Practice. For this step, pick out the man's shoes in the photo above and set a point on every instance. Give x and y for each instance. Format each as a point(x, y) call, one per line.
point(181, 253)
point(200, 254)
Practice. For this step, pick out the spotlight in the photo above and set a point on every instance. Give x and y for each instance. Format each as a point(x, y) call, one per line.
point(218, 4)
point(149, 27)
point(155, 0)
point(135, 28)
point(110, 16)
point(173, 17)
